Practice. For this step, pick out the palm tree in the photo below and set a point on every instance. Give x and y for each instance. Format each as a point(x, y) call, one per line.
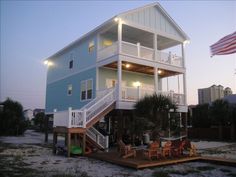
point(155, 109)
point(219, 112)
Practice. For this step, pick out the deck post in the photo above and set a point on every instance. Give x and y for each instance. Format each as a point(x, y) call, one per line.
point(184, 74)
point(119, 36)
point(155, 46)
point(84, 118)
point(68, 143)
point(84, 142)
point(54, 142)
point(119, 79)
point(156, 79)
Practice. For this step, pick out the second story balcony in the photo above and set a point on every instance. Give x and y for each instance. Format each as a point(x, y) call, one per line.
point(140, 44)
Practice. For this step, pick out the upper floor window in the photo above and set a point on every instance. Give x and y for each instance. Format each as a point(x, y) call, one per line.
point(91, 46)
point(86, 89)
point(69, 90)
point(71, 64)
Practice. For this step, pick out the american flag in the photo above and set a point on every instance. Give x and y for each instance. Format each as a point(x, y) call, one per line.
point(226, 45)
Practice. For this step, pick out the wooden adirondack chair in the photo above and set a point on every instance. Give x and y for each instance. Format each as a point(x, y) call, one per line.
point(191, 148)
point(126, 150)
point(177, 148)
point(153, 151)
point(166, 150)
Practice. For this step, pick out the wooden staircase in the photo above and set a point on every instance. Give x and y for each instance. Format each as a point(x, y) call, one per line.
point(82, 120)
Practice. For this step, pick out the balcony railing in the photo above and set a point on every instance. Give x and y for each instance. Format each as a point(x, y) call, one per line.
point(136, 93)
point(136, 50)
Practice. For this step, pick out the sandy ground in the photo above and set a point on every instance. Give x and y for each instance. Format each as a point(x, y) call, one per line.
point(34, 154)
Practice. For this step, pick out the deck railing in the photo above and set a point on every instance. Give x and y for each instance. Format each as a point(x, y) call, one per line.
point(136, 93)
point(97, 137)
point(79, 118)
point(137, 50)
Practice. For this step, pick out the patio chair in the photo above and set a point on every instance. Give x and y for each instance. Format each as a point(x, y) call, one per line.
point(166, 150)
point(126, 150)
point(153, 151)
point(191, 148)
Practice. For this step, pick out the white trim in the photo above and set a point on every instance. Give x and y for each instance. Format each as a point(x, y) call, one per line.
point(72, 74)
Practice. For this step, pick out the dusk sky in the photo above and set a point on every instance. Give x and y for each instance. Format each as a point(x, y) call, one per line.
point(31, 31)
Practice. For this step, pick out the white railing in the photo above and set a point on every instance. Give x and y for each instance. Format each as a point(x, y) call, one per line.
point(61, 118)
point(79, 118)
point(169, 58)
point(107, 51)
point(101, 104)
point(129, 48)
point(136, 93)
point(97, 137)
point(139, 51)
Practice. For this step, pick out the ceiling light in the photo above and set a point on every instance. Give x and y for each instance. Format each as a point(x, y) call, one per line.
point(127, 65)
point(137, 84)
point(159, 71)
point(45, 62)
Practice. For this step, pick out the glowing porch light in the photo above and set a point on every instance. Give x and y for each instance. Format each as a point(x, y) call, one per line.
point(45, 62)
point(127, 65)
point(159, 71)
point(116, 19)
point(186, 42)
point(137, 84)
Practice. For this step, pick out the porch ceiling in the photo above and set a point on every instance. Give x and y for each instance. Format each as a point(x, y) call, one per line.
point(164, 42)
point(141, 69)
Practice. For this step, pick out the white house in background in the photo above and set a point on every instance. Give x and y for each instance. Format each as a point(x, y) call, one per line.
point(103, 73)
point(28, 114)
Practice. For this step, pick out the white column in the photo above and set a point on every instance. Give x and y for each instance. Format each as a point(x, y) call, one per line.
point(155, 46)
point(119, 79)
point(119, 36)
point(138, 49)
point(184, 75)
point(156, 79)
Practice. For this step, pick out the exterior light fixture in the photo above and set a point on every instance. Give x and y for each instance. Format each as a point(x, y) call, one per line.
point(116, 19)
point(137, 84)
point(45, 62)
point(186, 42)
point(127, 65)
point(159, 71)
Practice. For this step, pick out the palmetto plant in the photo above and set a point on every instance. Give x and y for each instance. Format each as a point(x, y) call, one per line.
point(154, 109)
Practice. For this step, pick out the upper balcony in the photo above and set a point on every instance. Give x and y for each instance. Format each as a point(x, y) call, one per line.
point(140, 44)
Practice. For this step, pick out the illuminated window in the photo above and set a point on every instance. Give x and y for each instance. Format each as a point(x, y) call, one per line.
point(86, 89)
point(91, 46)
point(107, 43)
point(69, 90)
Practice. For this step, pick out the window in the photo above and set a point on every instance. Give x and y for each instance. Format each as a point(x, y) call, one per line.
point(86, 89)
point(71, 64)
point(69, 90)
point(83, 90)
point(91, 46)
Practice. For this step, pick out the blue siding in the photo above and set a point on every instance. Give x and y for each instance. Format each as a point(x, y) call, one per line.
point(57, 98)
point(82, 59)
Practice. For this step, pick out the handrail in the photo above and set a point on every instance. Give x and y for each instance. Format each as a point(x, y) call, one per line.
point(93, 108)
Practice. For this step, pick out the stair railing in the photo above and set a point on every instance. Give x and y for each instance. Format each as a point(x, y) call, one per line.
point(97, 137)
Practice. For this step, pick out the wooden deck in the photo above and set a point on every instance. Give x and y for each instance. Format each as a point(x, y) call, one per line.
point(139, 161)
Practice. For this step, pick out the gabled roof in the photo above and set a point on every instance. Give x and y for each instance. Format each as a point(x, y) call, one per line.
point(162, 10)
point(111, 20)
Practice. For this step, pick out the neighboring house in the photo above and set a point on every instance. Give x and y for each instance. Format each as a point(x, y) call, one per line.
point(135, 53)
point(208, 95)
point(28, 114)
point(228, 91)
point(37, 110)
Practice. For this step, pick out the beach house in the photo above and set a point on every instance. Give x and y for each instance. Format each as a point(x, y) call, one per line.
point(100, 76)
